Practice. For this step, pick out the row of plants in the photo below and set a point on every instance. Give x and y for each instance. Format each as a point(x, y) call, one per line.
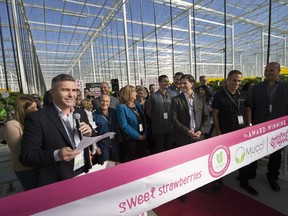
point(216, 84)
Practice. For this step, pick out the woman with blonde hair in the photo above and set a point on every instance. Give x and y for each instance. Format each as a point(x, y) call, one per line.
point(141, 96)
point(14, 131)
point(132, 123)
point(87, 105)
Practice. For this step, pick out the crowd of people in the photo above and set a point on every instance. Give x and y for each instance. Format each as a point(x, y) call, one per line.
point(43, 136)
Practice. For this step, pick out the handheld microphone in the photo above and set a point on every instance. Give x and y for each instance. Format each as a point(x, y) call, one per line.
point(77, 117)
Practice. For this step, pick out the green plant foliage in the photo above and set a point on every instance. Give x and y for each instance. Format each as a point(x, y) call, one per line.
point(3, 114)
point(7, 105)
point(216, 84)
point(284, 77)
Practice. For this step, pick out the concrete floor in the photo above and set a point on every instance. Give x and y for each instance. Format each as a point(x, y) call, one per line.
point(275, 200)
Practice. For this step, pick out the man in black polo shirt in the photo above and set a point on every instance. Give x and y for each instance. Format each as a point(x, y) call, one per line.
point(230, 113)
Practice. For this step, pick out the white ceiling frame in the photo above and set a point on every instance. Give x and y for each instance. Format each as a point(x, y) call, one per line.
point(56, 43)
point(56, 52)
point(64, 26)
point(88, 4)
point(60, 10)
point(51, 29)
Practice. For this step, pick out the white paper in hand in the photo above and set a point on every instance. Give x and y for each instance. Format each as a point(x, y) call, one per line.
point(87, 141)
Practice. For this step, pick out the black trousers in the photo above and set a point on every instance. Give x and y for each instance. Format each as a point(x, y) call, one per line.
point(247, 172)
point(274, 164)
point(135, 149)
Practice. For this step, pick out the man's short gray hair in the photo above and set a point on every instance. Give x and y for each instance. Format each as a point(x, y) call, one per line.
point(60, 78)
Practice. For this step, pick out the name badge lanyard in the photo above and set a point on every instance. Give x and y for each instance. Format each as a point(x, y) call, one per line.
point(109, 123)
point(239, 116)
point(233, 101)
point(166, 97)
point(70, 130)
point(135, 111)
point(79, 160)
point(271, 97)
point(139, 119)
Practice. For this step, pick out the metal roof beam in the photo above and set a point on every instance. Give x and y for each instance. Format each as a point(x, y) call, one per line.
point(56, 43)
point(65, 31)
point(56, 52)
point(60, 10)
point(234, 17)
point(63, 26)
point(90, 5)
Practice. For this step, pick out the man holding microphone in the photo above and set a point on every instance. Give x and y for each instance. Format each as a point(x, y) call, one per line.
point(50, 136)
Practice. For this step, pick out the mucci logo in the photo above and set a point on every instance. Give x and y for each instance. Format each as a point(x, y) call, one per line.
point(240, 155)
point(219, 161)
point(243, 153)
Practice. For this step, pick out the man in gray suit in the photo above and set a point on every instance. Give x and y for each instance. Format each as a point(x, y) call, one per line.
point(189, 113)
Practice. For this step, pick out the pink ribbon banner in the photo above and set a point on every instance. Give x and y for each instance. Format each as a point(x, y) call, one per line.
point(141, 185)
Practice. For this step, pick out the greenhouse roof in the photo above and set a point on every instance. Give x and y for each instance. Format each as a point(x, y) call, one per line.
point(91, 40)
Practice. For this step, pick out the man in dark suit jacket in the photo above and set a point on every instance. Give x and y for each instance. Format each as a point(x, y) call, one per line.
point(188, 115)
point(270, 101)
point(181, 109)
point(50, 135)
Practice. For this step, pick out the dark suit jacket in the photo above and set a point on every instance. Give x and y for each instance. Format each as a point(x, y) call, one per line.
point(260, 102)
point(43, 134)
point(180, 117)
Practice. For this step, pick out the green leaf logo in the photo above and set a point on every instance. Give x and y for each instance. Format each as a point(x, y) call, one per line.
point(243, 156)
point(219, 157)
point(240, 155)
